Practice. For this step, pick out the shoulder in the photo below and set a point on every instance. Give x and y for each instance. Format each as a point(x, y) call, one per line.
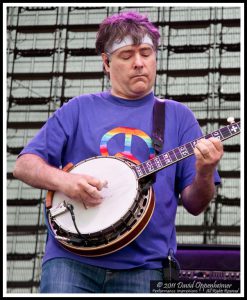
point(81, 101)
point(180, 115)
point(175, 104)
point(176, 107)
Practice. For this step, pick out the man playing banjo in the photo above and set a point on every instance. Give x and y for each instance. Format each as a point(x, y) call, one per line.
point(106, 136)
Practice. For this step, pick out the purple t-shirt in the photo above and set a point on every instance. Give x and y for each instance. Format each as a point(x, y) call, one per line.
point(101, 124)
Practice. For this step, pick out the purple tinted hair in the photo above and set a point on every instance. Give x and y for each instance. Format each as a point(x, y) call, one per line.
point(117, 26)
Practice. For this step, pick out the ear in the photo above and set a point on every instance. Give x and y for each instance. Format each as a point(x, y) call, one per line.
point(105, 62)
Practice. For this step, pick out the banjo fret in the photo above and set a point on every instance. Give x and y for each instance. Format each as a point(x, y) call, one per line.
point(172, 155)
point(183, 150)
point(149, 166)
point(178, 154)
point(167, 158)
point(225, 132)
point(140, 171)
point(158, 163)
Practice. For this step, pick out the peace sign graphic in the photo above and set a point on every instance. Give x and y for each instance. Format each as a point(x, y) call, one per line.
point(129, 133)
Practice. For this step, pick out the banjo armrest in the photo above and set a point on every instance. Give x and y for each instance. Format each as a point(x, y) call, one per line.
point(49, 195)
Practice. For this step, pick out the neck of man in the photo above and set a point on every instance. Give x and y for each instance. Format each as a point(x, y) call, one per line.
point(133, 96)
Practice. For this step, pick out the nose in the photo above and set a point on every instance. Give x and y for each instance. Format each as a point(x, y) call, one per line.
point(138, 63)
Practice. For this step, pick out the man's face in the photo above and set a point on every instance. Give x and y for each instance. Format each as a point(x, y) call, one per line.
point(132, 70)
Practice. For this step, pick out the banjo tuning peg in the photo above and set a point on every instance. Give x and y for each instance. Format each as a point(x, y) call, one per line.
point(230, 120)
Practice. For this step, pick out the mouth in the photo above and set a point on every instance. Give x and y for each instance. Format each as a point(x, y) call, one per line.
point(139, 76)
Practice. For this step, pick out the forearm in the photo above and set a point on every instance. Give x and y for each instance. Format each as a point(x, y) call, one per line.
point(198, 195)
point(35, 172)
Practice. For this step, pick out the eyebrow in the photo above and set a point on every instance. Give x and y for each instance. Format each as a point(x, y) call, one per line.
point(132, 50)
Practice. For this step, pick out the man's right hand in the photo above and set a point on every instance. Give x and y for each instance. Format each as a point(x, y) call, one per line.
point(84, 188)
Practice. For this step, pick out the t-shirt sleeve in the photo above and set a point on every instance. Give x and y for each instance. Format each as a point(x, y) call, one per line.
point(51, 139)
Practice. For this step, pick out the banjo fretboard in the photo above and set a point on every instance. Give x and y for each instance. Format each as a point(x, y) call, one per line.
point(166, 159)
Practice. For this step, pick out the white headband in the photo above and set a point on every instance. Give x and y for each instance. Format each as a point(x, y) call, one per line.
point(127, 41)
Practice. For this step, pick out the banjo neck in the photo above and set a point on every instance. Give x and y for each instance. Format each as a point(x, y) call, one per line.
point(166, 159)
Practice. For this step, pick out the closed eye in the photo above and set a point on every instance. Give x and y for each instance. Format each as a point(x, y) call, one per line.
point(146, 52)
point(126, 54)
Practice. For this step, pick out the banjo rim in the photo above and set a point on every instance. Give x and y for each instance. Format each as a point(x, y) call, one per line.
point(107, 223)
point(122, 239)
point(118, 243)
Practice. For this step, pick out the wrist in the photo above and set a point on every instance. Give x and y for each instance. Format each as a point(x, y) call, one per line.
point(205, 173)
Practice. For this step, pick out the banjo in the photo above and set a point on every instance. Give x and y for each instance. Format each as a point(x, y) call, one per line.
point(126, 208)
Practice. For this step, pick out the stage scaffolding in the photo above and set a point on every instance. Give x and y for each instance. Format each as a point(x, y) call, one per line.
point(51, 58)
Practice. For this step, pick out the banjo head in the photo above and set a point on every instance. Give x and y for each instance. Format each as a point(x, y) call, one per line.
point(118, 197)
